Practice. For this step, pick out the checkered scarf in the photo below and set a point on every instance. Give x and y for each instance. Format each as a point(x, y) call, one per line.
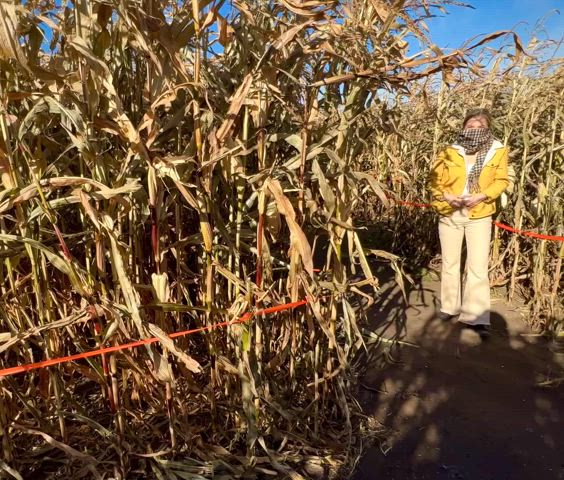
point(476, 140)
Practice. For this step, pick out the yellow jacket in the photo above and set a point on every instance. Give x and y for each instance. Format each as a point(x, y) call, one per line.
point(448, 175)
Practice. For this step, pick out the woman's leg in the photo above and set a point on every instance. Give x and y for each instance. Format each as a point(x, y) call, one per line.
point(476, 300)
point(451, 235)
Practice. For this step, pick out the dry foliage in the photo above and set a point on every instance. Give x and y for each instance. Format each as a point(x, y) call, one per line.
point(175, 164)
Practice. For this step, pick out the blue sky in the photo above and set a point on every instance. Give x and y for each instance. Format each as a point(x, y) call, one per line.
point(450, 30)
point(460, 24)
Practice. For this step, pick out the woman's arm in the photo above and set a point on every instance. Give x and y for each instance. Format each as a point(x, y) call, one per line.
point(436, 184)
point(501, 179)
point(436, 178)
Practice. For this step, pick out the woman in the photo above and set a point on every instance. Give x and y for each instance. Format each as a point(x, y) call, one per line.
point(466, 179)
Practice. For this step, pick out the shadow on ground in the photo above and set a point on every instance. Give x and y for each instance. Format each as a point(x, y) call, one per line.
point(455, 406)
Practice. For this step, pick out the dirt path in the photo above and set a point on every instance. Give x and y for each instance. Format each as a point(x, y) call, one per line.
point(458, 407)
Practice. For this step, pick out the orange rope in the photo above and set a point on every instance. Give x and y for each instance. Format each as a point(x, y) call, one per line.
point(554, 238)
point(525, 233)
point(245, 318)
point(94, 353)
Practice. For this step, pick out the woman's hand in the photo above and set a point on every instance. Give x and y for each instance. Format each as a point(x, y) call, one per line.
point(453, 200)
point(473, 200)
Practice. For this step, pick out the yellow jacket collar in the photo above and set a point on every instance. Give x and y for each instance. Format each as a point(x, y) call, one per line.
point(491, 152)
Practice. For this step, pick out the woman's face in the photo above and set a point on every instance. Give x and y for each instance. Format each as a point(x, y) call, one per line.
point(476, 122)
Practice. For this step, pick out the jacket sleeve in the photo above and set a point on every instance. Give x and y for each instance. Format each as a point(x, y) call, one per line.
point(436, 181)
point(501, 178)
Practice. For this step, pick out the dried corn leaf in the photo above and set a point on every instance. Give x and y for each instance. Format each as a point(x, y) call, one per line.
point(298, 239)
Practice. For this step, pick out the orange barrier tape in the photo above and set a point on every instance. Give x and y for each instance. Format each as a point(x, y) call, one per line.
point(94, 353)
point(525, 233)
point(554, 238)
point(245, 318)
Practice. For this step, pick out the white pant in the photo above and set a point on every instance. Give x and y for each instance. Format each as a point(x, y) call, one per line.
point(475, 306)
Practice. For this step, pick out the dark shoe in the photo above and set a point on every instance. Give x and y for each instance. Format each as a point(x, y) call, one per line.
point(445, 317)
point(482, 330)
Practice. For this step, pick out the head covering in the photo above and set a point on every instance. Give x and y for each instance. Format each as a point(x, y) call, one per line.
point(479, 141)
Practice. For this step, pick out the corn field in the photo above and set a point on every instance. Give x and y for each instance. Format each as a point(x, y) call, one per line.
point(172, 165)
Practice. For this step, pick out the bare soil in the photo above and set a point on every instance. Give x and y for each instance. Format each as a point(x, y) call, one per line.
point(455, 406)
